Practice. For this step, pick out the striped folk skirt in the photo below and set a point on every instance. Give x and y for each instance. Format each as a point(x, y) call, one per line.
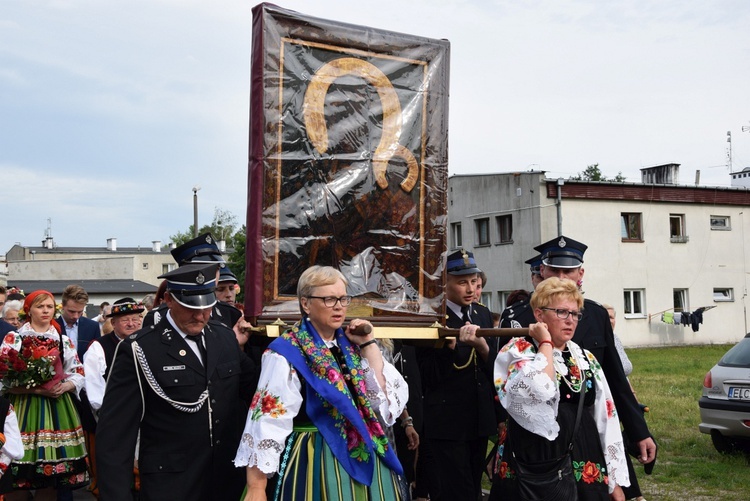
point(53, 443)
point(310, 472)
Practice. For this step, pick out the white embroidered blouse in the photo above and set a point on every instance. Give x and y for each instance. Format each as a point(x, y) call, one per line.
point(532, 398)
point(71, 365)
point(268, 425)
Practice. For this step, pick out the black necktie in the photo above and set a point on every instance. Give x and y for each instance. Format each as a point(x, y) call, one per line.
point(198, 340)
point(465, 314)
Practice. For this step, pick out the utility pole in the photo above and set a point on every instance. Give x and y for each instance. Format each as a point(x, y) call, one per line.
point(195, 210)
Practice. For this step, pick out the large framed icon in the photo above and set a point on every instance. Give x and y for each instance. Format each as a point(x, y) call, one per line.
point(348, 166)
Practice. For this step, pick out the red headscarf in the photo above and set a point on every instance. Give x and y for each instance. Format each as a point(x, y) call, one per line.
point(29, 300)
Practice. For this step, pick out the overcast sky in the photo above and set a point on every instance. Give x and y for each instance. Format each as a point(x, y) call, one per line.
point(111, 111)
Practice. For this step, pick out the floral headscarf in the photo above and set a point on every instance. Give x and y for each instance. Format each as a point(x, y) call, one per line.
point(346, 420)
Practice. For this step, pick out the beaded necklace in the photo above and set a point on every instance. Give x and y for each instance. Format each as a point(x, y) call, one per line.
point(568, 370)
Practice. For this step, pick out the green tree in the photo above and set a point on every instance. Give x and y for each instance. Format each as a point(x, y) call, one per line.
point(593, 173)
point(222, 228)
point(236, 259)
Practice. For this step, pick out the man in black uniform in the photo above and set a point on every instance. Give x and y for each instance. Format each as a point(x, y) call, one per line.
point(184, 384)
point(562, 257)
point(459, 413)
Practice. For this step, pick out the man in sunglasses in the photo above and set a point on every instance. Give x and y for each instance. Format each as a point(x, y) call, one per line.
point(562, 257)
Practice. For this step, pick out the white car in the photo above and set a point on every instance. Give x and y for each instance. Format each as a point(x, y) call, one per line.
point(725, 404)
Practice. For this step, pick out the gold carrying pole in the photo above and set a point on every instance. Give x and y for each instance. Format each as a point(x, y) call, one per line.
point(435, 332)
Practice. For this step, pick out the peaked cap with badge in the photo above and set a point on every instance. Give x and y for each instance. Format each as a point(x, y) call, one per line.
point(534, 264)
point(562, 252)
point(193, 285)
point(461, 262)
point(201, 249)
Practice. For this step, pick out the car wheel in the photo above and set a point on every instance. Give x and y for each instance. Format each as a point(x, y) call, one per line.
point(724, 445)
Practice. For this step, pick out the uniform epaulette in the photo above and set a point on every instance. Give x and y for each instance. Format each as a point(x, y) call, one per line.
point(139, 334)
point(514, 309)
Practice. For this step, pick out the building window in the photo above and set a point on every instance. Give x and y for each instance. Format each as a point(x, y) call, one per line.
point(634, 302)
point(723, 294)
point(502, 300)
point(680, 300)
point(720, 223)
point(504, 229)
point(482, 227)
point(166, 268)
point(677, 228)
point(630, 227)
point(144, 265)
point(486, 298)
point(456, 239)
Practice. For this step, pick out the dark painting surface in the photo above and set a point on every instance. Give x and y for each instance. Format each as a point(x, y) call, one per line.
point(348, 165)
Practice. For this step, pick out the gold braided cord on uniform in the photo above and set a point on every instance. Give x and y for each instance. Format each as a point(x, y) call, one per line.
point(472, 358)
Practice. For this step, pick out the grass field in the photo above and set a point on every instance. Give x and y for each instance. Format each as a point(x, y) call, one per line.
point(669, 381)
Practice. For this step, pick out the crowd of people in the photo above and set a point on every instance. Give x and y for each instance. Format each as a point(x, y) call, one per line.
point(172, 397)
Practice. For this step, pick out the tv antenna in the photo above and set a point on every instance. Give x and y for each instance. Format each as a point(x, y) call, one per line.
point(729, 151)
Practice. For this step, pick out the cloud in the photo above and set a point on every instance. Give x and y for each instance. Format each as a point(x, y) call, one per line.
point(111, 111)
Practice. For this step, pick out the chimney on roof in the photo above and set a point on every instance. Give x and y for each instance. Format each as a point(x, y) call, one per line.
point(661, 174)
point(156, 245)
point(112, 244)
point(48, 243)
point(222, 244)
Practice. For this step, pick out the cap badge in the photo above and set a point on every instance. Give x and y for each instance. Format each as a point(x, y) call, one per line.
point(466, 257)
point(199, 279)
point(562, 243)
point(208, 239)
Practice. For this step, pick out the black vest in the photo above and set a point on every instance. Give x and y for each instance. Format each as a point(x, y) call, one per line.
point(109, 345)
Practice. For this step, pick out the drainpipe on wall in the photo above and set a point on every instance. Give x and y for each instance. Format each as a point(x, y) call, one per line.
point(560, 182)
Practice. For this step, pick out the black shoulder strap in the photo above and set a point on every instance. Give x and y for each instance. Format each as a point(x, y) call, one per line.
point(581, 398)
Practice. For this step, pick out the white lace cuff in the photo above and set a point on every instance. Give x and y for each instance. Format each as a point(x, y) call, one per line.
point(265, 455)
point(389, 404)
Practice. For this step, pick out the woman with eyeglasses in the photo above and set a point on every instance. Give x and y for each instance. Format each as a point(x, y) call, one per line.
point(540, 380)
point(315, 425)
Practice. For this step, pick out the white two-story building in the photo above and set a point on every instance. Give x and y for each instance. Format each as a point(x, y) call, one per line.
point(654, 247)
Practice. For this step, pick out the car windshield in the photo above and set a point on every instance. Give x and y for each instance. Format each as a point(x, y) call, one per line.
point(738, 356)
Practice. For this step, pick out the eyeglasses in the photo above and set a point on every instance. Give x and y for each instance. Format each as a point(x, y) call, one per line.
point(331, 301)
point(564, 314)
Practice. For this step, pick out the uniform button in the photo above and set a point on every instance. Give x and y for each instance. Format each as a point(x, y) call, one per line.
point(217, 421)
point(213, 400)
point(176, 381)
point(218, 442)
point(160, 467)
